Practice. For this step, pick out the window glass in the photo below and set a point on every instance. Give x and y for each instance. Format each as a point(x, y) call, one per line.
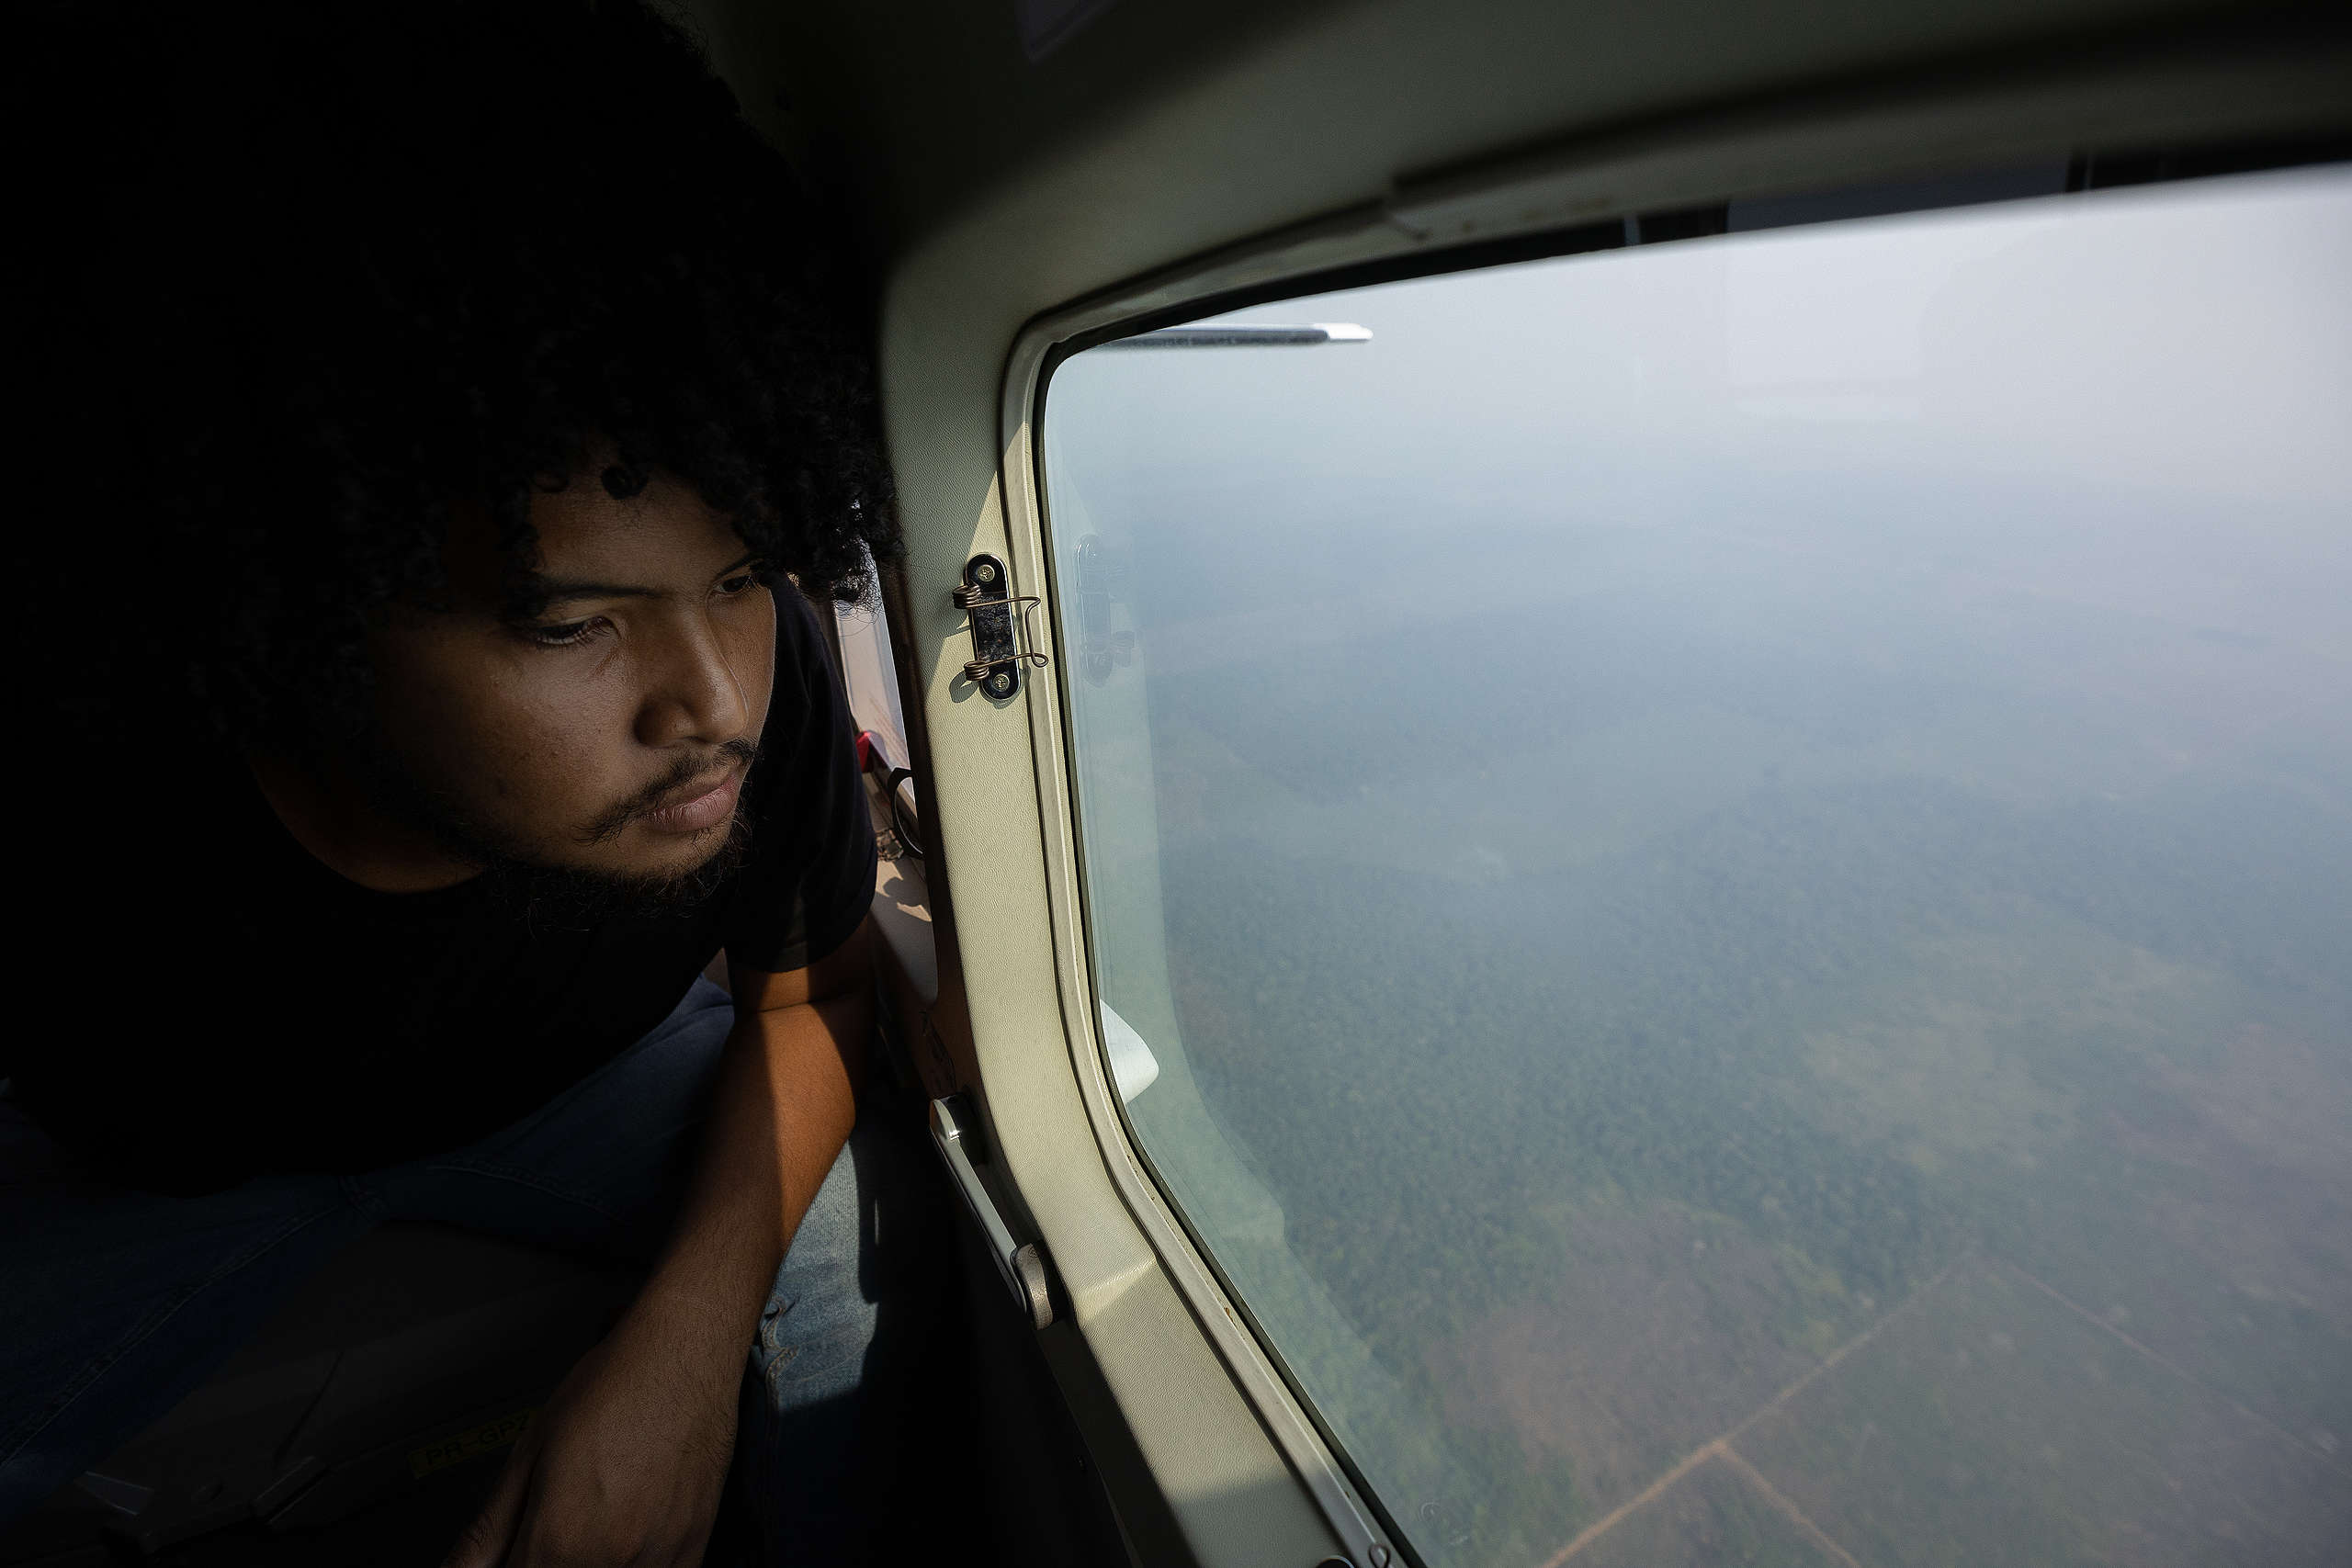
point(1732, 862)
point(869, 677)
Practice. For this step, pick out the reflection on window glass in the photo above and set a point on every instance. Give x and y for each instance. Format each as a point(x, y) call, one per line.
point(869, 678)
point(1734, 860)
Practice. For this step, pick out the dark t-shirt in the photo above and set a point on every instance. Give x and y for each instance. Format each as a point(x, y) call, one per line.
point(233, 1007)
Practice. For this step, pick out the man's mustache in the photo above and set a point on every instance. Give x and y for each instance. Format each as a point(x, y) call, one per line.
point(610, 822)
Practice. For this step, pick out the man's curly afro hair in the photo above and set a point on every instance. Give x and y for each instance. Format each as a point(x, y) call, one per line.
point(319, 271)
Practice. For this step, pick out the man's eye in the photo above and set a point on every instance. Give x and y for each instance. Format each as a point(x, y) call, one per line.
point(569, 635)
point(738, 582)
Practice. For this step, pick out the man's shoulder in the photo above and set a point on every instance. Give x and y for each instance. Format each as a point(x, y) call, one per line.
point(143, 812)
point(800, 641)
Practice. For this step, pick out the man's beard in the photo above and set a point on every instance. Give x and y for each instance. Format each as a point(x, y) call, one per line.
point(548, 895)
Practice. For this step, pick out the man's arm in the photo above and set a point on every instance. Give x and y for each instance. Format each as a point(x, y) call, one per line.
point(628, 1460)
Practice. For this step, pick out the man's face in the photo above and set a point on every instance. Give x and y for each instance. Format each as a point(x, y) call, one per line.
point(609, 734)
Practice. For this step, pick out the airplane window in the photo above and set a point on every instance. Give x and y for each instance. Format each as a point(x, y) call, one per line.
point(1734, 862)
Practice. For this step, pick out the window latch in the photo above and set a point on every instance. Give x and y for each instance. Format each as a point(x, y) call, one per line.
point(1001, 643)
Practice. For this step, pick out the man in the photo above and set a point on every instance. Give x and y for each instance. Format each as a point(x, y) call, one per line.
point(440, 403)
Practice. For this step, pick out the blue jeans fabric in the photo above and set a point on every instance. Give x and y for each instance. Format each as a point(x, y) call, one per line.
point(118, 1302)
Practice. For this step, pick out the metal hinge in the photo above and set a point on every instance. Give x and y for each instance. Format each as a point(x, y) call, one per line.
point(1000, 628)
point(1022, 1266)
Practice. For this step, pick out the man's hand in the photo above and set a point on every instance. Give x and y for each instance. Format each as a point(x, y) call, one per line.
point(624, 1464)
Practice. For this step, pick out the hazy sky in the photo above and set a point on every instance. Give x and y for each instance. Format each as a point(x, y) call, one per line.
point(2127, 360)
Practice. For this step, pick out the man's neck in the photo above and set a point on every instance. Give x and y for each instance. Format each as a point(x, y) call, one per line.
point(323, 807)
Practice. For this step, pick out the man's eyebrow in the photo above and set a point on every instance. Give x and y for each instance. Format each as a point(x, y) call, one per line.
point(546, 591)
point(543, 592)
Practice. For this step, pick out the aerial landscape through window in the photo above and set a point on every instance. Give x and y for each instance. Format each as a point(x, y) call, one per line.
point(1738, 858)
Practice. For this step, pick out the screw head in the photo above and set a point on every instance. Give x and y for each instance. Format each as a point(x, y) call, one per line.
point(984, 572)
point(1000, 683)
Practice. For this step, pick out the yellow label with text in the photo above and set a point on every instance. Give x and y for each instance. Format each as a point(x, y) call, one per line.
point(459, 1447)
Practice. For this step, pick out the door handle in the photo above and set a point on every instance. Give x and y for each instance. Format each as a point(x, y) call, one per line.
point(1021, 1265)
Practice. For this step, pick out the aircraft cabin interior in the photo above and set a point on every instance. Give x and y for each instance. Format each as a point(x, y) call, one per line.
point(1614, 775)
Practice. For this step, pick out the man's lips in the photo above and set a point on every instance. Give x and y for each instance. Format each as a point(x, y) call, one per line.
point(703, 804)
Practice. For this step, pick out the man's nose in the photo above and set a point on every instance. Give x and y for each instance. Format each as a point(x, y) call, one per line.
point(696, 694)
